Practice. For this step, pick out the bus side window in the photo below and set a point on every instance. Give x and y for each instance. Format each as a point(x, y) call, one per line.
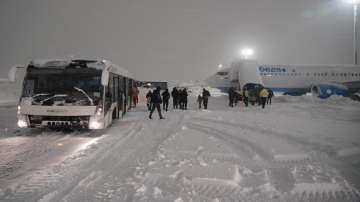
point(121, 91)
point(108, 94)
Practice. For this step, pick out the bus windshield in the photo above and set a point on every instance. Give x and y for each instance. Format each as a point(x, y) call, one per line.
point(58, 86)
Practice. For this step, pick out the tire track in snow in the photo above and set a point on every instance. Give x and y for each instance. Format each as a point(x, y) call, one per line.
point(236, 142)
point(48, 180)
point(97, 167)
point(120, 181)
point(297, 142)
point(318, 152)
point(281, 177)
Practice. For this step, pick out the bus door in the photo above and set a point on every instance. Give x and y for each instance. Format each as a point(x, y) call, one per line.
point(116, 94)
point(121, 94)
point(125, 90)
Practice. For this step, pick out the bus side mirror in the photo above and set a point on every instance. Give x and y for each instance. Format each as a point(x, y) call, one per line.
point(105, 78)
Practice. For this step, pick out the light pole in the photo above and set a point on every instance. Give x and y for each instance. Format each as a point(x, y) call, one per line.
point(355, 4)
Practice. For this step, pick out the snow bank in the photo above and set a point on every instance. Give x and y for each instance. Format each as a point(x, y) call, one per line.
point(196, 90)
point(333, 100)
point(9, 94)
point(11, 86)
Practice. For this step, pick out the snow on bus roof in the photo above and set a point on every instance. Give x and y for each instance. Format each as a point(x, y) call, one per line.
point(116, 69)
point(50, 63)
point(97, 64)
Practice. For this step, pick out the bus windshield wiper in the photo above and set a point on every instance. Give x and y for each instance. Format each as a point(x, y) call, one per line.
point(54, 96)
point(83, 92)
point(40, 94)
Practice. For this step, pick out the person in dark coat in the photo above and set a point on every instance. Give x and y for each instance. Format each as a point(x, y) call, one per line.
point(156, 102)
point(184, 99)
point(175, 97)
point(232, 97)
point(166, 97)
point(253, 97)
point(148, 100)
point(180, 99)
point(200, 100)
point(237, 98)
point(205, 95)
point(271, 94)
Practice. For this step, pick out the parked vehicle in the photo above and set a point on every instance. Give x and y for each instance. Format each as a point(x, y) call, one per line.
point(85, 94)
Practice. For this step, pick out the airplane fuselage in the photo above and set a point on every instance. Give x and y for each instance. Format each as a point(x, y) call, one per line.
point(300, 78)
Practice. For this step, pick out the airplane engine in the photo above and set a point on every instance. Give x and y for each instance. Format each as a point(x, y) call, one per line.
point(324, 91)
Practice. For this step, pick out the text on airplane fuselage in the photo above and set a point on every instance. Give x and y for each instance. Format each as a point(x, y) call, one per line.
point(271, 69)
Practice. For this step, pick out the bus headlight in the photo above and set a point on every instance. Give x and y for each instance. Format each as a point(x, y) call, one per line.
point(18, 109)
point(95, 124)
point(22, 123)
point(99, 111)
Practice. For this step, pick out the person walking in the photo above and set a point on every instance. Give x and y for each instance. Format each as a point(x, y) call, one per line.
point(252, 96)
point(148, 99)
point(135, 95)
point(264, 94)
point(166, 98)
point(155, 103)
point(184, 99)
point(175, 97)
point(246, 97)
point(231, 93)
point(237, 98)
point(200, 100)
point(271, 94)
point(205, 95)
point(181, 99)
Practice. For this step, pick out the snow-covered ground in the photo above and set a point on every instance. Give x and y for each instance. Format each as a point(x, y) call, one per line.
point(297, 149)
point(7, 97)
point(10, 87)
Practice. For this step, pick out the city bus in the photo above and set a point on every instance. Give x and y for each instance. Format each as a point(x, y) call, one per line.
point(85, 94)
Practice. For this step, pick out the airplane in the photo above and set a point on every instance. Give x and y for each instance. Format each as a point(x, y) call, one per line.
point(321, 80)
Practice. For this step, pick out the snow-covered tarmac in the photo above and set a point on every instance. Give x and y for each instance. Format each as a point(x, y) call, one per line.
point(297, 149)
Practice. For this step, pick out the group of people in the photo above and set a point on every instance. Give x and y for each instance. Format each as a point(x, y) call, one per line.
point(180, 100)
point(203, 98)
point(234, 97)
point(261, 96)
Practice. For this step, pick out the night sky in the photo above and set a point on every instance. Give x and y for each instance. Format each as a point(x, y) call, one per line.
point(177, 40)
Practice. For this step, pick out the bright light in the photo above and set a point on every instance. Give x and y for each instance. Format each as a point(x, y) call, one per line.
point(99, 111)
point(22, 124)
point(94, 125)
point(18, 109)
point(220, 66)
point(353, 1)
point(246, 53)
